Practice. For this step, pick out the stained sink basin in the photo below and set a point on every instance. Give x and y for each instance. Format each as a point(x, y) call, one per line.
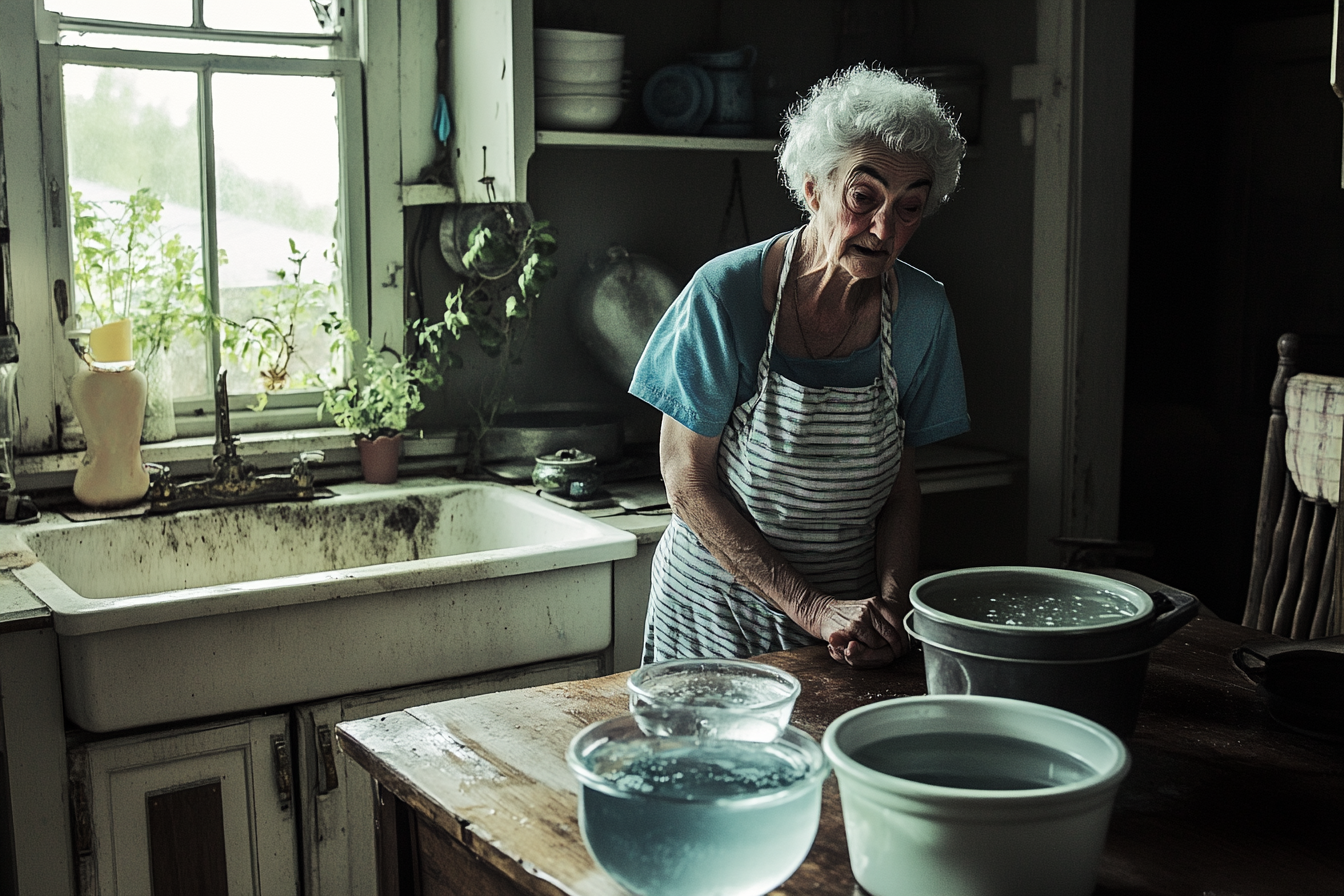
point(203, 612)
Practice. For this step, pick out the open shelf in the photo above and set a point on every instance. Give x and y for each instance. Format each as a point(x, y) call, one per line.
point(609, 140)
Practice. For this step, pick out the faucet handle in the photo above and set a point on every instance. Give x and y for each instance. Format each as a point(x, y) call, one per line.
point(302, 476)
point(160, 485)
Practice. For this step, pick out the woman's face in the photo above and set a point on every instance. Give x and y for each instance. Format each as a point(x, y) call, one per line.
point(866, 212)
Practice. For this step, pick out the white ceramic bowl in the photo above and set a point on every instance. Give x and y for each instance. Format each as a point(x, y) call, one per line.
point(723, 698)
point(589, 46)
point(546, 87)
point(680, 816)
point(579, 71)
point(579, 112)
point(967, 795)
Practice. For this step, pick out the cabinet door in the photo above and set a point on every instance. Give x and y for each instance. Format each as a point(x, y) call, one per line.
point(201, 810)
point(337, 794)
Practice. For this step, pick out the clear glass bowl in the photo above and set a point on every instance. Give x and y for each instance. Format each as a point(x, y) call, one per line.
point(686, 816)
point(712, 698)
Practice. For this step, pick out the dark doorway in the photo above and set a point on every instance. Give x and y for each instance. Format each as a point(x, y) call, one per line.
point(1237, 224)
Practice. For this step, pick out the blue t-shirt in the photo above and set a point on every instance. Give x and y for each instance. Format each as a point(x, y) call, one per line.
point(701, 361)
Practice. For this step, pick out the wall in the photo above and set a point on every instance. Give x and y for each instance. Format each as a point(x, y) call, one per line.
point(979, 245)
point(671, 205)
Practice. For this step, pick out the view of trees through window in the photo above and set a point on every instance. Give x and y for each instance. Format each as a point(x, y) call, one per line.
point(135, 164)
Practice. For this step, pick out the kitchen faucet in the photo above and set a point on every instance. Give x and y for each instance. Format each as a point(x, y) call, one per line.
point(234, 481)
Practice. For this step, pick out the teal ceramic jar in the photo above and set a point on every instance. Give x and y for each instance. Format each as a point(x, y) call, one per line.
point(569, 472)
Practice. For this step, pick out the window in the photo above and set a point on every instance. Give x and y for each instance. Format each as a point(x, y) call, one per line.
point(384, 50)
point(210, 153)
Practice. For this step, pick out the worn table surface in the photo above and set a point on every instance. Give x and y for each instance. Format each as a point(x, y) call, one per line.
point(1220, 800)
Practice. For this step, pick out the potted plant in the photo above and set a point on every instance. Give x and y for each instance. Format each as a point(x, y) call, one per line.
point(127, 268)
point(503, 269)
point(271, 338)
point(376, 403)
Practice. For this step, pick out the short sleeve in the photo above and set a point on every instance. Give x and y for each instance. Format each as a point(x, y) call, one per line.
point(933, 398)
point(689, 369)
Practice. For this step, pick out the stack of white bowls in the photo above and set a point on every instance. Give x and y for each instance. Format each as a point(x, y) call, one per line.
point(578, 77)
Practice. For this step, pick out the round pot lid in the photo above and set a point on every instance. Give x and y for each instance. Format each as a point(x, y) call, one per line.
point(568, 457)
point(1030, 599)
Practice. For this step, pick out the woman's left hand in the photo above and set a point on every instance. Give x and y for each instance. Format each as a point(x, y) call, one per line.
point(864, 633)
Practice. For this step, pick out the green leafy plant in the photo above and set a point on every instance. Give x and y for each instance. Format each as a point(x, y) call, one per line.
point(126, 266)
point(268, 343)
point(387, 387)
point(508, 268)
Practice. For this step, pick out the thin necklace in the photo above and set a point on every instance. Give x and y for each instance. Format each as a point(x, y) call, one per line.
point(803, 332)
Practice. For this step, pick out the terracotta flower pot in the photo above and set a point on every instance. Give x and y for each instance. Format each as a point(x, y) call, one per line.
point(378, 458)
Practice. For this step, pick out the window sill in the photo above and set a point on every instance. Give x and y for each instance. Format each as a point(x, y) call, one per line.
point(190, 456)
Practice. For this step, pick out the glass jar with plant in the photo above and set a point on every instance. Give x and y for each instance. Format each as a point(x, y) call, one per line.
point(506, 267)
point(127, 267)
point(285, 318)
point(377, 402)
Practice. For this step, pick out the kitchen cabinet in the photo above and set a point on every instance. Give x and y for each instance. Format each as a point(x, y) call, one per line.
point(264, 804)
point(207, 809)
point(34, 815)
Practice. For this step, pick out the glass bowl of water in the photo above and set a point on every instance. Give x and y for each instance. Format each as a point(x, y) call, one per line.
point(712, 698)
point(689, 816)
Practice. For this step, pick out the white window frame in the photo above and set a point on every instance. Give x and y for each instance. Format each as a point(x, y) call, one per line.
point(396, 53)
point(196, 415)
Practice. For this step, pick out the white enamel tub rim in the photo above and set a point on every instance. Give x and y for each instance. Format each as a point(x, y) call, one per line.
point(593, 542)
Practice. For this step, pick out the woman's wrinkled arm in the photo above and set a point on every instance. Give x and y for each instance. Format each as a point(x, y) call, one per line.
point(897, 553)
point(690, 472)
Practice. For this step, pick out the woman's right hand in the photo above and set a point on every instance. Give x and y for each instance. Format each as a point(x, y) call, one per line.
point(863, 633)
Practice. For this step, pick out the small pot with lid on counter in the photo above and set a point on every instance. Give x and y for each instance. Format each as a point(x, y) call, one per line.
point(569, 472)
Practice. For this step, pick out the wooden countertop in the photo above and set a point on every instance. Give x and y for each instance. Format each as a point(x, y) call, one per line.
point(1220, 800)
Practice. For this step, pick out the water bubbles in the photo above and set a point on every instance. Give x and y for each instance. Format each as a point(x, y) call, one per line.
point(1038, 609)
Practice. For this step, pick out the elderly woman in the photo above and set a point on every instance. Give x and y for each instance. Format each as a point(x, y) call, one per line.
point(795, 377)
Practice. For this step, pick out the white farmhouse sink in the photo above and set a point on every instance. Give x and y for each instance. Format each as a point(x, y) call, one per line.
point(164, 618)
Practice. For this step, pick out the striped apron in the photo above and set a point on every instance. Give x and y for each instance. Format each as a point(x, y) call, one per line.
point(812, 468)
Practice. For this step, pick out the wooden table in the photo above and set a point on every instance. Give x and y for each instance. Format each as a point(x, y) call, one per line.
point(474, 797)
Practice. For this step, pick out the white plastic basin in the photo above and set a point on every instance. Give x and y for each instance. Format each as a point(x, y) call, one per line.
point(163, 618)
point(965, 795)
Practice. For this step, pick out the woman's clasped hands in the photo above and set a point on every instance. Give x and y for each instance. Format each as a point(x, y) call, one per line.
point(864, 633)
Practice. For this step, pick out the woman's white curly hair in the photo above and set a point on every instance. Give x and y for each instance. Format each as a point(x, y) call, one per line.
point(859, 104)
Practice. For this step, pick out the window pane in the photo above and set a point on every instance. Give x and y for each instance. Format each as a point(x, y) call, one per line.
point(150, 12)
point(285, 16)
point(135, 196)
point(278, 181)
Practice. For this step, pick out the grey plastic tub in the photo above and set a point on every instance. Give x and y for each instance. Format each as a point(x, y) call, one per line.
point(1091, 660)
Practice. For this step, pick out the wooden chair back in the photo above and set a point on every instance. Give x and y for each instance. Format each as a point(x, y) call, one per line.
point(1297, 574)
